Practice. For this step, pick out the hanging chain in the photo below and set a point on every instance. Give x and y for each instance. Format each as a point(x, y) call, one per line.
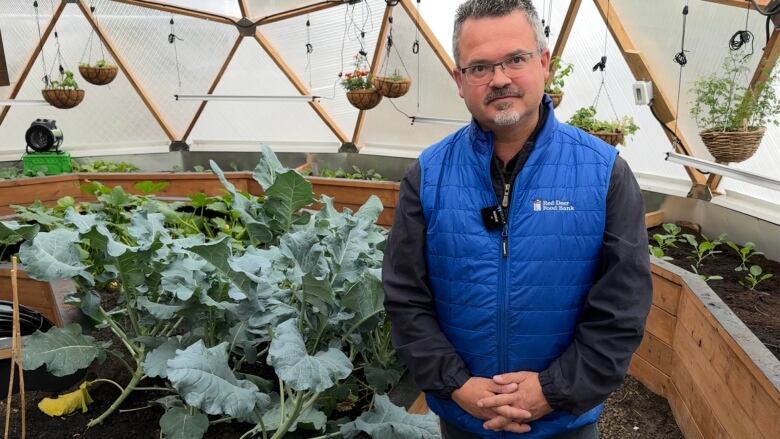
point(681, 59)
point(416, 51)
point(602, 67)
point(309, 49)
point(43, 52)
point(172, 37)
point(60, 59)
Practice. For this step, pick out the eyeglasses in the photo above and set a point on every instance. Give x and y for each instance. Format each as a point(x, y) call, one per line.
point(512, 66)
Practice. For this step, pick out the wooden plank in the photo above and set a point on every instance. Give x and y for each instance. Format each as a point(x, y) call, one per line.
point(427, 33)
point(131, 76)
point(4, 78)
point(419, 406)
point(641, 71)
point(661, 324)
point(179, 10)
point(666, 274)
point(380, 47)
point(33, 57)
point(666, 294)
point(740, 3)
point(44, 189)
point(650, 376)
point(737, 399)
point(213, 87)
point(563, 36)
point(179, 185)
point(656, 352)
point(299, 85)
point(690, 407)
point(654, 218)
point(356, 194)
point(243, 7)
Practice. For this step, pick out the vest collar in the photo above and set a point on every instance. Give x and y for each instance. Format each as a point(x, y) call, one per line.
point(482, 140)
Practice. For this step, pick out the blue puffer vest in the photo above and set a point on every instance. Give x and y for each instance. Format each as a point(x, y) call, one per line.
point(515, 312)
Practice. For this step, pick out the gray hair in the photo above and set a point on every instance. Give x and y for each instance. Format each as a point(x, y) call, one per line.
point(496, 8)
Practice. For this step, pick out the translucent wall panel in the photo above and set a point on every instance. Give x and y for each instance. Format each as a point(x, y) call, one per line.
point(141, 37)
point(335, 37)
point(20, 35)
point(111, 119)
point(709, 28)
point(264, 8)
point(387, 129)
point(252, 72)
point(221, 7)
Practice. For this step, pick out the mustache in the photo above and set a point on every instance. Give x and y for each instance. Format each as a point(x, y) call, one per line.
point(502, 93)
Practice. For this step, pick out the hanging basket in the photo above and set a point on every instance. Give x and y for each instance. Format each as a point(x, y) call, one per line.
point(364, 99)
point(556, 98)
point(392, 88)
point(62, 98)
point(732, 146)
point(98, 75)
point(612, 138)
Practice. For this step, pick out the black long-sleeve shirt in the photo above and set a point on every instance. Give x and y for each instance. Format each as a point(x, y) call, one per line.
point(610, 326)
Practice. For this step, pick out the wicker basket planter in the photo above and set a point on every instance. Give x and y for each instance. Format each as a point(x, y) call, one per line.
point(612, 138)
point(62, 98)
point(392, 88)
point(364, 99)
point(732, 147)
point(556, 98)
point(98, 75)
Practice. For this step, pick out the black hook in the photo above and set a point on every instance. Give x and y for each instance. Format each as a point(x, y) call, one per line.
point(363, 52)
point(309, 48)
point(171, 21)
point(416, 47)
point(601, 65)
point(547, 31)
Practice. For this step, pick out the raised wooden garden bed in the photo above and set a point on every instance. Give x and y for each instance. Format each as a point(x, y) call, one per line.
point(347, 193)
point(719, 379)
point(45, 297)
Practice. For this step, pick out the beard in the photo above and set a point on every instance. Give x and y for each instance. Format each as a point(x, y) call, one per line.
point(506, 114)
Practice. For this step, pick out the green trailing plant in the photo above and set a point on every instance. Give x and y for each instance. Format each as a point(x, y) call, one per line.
point(103, 166)
point(66, 82)
point(296, 292)
point(744, 253)
point(585, 119)
point(561, 71)
point(101, 63)
point(754, 277)
point(723, 103)
point(396, 76)
point(357, 174)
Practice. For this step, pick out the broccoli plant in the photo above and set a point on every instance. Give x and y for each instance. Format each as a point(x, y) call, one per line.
point(754, 277)
point(745, 253)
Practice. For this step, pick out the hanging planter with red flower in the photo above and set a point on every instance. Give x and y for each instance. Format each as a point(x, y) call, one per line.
point(360, 86)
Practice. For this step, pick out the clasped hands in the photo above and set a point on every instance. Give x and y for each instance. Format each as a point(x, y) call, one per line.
point(507, 402)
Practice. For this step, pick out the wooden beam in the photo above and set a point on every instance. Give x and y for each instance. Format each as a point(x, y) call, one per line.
point(243, 7)
point(321, 6)
point(33, 56)
point(762, 73)
point(4, 79)
point(740, 3)
point(380, 47)
point(128, 73)
point(641, 71)
point(563, 36)
point(213, 87)
point(427, 33)
point(299, 85)
point(654, 218)
point(179, 10)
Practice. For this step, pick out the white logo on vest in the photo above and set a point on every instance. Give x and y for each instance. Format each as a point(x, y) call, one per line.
point(552, 205)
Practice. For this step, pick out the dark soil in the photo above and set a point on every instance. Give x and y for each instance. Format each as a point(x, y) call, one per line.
point(635, 412)
point(758, 309)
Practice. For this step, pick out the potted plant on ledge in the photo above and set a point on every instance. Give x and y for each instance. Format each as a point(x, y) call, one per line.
point(613, 132)
point(64, 93)
point(101, 73)
point(733, 117)
point(393, 86)
point(554, 86)
point(360, 86)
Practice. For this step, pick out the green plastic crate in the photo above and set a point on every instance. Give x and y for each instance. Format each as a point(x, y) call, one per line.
point(48, 163)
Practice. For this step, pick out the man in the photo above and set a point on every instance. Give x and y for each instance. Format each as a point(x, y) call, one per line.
point(517, 274)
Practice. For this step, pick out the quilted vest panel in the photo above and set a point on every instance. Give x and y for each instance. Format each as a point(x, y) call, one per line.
point(519, 311)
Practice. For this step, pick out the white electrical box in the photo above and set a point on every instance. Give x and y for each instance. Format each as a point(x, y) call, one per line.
point(643, 92)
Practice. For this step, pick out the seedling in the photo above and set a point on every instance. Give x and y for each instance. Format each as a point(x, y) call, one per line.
point(755, 276)
point(745, 253)
point(702, 250)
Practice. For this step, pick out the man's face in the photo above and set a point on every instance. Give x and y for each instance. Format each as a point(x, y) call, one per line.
point(503, 101)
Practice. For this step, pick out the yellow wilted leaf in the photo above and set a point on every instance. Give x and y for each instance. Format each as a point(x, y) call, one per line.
point(67, 403)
